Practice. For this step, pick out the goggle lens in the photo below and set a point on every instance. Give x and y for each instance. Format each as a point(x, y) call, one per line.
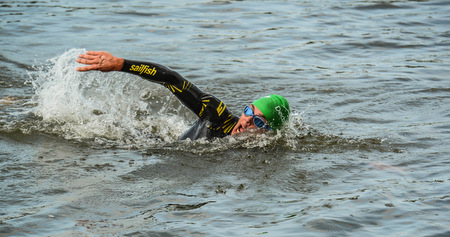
point(256, 120)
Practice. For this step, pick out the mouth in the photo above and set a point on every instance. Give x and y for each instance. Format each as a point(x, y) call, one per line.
point(239, 129)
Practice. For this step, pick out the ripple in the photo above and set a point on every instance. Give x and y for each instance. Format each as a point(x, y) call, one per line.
point(366, 120)
point(381, 6)
point(141, 14)
point(332, 225)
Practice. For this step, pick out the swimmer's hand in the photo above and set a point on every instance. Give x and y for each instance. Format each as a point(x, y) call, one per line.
point(98, 60)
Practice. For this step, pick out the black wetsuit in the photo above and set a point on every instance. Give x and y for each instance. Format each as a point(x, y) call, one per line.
point(214, 118)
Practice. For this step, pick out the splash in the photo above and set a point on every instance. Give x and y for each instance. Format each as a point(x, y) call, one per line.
point(122, 110)
point(112, 108)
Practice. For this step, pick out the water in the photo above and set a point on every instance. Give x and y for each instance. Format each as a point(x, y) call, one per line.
point(96, 154)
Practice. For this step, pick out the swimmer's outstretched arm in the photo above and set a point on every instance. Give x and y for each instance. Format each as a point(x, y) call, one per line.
point(204, 105)
point(99, 60)
point(106, 62)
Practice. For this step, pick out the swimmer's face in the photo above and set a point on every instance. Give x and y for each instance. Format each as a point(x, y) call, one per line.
point(246, 123)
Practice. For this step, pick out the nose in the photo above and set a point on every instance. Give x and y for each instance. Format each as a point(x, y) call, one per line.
point(248, 120)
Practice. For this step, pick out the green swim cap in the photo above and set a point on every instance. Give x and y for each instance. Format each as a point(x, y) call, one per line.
point(275, 108)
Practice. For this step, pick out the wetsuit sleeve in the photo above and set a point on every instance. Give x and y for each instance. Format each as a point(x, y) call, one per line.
point(205, 106)
point(188, 94)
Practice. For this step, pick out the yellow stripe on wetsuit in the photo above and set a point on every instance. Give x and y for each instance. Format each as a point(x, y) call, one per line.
point(221, 108)
point(173, 88)
point(205, 103)
point(228, 124)
point(186, 86)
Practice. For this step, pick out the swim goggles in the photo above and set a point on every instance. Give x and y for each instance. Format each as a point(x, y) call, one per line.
point(258, 121)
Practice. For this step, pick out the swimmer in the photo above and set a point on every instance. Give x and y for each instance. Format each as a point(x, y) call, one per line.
point(214, 118)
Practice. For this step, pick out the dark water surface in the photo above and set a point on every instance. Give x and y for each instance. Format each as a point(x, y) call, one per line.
point(366, 152)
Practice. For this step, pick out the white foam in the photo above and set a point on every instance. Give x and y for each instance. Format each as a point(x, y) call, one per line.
point(111, 107)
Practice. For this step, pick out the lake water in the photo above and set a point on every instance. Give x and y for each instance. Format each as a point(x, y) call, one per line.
point(366, 152)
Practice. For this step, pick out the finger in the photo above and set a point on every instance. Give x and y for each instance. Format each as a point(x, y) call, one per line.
point(94, 53)
point(85, 56)
point(84, 61)
point(95, 60)
point(87, 68)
